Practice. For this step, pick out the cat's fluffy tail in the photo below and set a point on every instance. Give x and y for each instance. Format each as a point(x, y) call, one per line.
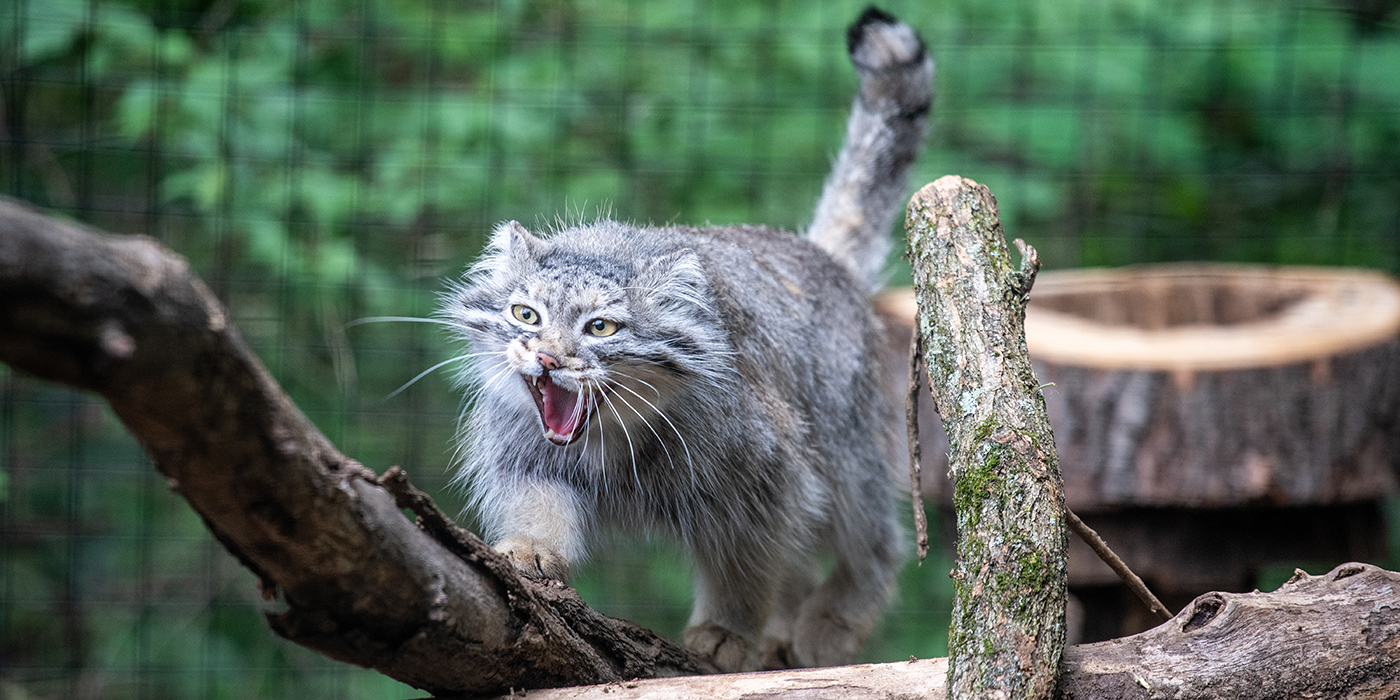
point(885, 132)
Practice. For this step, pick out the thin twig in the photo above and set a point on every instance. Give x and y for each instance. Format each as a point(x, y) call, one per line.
point(1100, 547)
point(911, 421)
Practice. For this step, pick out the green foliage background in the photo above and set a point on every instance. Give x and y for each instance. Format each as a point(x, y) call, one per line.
point(325, 160)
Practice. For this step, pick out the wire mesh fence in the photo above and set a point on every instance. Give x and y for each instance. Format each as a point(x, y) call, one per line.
point(321, 161)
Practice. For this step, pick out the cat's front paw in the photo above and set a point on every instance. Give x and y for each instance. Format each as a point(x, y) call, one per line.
point(730, 651)
point(534, 558)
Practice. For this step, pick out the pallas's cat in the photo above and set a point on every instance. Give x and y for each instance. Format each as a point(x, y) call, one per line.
point(722, 385)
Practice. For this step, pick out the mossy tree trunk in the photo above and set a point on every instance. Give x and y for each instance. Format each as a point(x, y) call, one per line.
point(1008, 615)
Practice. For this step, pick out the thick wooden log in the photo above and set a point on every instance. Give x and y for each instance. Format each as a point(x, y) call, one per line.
point(1329, 637)
point(902, 680)
point(1009, 610)
point(124, 317)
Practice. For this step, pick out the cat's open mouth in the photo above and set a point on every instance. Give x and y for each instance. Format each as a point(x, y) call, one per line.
point(564, 413)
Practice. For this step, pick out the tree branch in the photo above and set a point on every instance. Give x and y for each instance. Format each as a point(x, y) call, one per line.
point(911, 425)
point(125, 318)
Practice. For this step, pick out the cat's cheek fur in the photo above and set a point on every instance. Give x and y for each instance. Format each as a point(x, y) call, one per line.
point(496, 377)
point(521, 359)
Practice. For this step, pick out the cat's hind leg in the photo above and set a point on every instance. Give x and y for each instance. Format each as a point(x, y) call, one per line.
point(731, 606)
point(835, 620)
point(775, 649)
point(749, 596)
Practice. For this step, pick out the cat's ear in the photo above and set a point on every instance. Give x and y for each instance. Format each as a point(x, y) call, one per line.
point(677, 277)
point(512, 240)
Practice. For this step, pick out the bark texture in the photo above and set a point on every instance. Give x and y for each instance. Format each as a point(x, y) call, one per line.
point(1008, 614)
point(1329, 637)
point(124, 317)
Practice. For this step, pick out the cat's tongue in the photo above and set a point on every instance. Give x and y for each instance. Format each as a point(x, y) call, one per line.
point(560, 409)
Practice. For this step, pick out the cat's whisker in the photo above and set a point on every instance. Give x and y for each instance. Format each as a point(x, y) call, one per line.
point(603, 453)
point(689, 460)
point(583, 450)
point(659, 441)
point(603, 457)
point(502, 375)
point(483, 353)
point(643, 382)
point(582, 399)
point(475, 394)
point(426, 372)
point(474, 379)
point(398, 319)
point(631, 449)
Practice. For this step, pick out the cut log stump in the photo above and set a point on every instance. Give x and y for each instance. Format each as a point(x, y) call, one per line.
point(1231, 393)
point(1215, 385)
point(1206, 385)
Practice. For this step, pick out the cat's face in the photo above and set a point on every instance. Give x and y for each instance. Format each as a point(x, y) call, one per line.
point(568, 330)
point(582, 331)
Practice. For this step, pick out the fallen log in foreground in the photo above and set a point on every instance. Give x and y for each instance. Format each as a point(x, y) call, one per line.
point(1321, 637)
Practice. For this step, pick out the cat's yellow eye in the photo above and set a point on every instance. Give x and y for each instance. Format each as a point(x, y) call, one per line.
point(601, 327)
point(525, 314)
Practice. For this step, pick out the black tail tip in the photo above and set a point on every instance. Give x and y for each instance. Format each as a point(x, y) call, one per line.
point(872, 14)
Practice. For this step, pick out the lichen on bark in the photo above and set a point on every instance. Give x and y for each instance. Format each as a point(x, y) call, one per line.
point(1008, 613)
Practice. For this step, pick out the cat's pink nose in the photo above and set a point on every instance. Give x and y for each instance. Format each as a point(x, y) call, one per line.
point(547, 360)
